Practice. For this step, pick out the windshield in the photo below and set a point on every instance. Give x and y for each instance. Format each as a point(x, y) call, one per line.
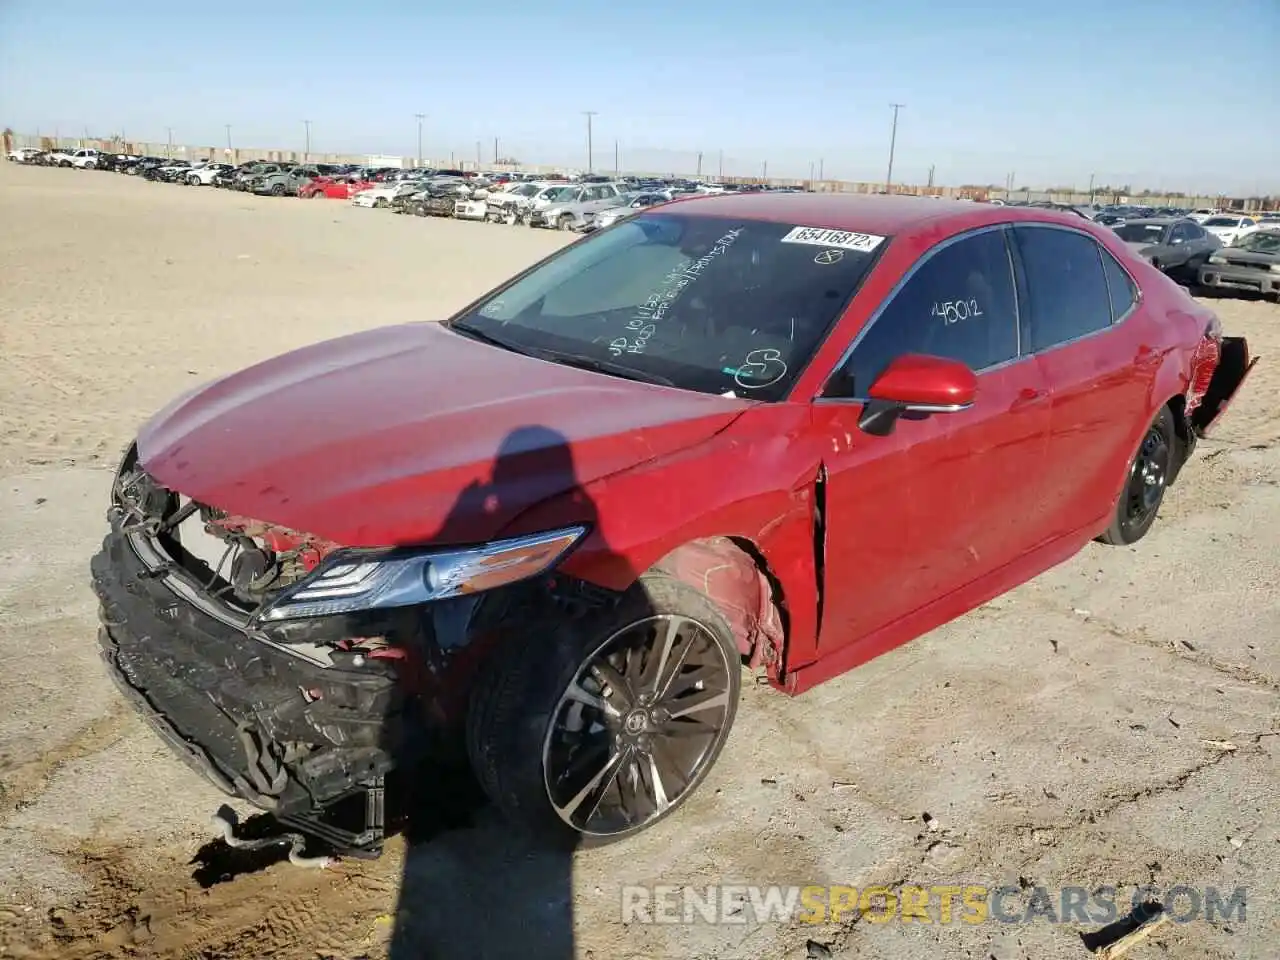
point(560, 194)
point(1264, 241)
point(1222, 222)
point(1141, 232)
point(704, 303)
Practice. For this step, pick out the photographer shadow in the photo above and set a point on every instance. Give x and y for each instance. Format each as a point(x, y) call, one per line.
point(472, 884)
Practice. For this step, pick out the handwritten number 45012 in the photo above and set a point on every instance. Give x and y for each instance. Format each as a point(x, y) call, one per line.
point(953, 311)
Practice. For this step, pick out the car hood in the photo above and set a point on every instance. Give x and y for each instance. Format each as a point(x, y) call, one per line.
point(412, 434)
point(1252, 257)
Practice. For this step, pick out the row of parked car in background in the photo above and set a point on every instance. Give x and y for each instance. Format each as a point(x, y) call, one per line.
point(1203, 249)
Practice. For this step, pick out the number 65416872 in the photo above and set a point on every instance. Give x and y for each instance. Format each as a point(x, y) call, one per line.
point(953, 311)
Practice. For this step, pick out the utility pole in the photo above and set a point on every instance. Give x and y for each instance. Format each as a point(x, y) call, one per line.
point(893, 141)
point(1091, 176)
point(495, 151)
point(820, 176)
point(228, 126)
point(931, 167)
point(306, 155)
point(811, 171)
point(764, 170)
point(721, 173)
point(590, 159)
point(420, 117)
point(478, 160)
point(699, 173)
point(169, 154)
point(617, 161)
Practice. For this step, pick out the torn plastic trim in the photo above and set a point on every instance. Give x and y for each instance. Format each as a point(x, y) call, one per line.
point(1233, 367)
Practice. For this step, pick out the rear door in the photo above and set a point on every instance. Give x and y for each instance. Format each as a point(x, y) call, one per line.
point(1099, 378)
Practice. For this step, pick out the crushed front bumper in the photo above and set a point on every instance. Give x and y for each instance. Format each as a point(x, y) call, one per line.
point(288, 735)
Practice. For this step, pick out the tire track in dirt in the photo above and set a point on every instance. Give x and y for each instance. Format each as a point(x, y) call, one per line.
point(148, 904)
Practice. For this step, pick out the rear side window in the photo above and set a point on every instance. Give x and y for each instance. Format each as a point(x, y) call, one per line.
point(959, 304)
point(1066, 286)
point(1120, 286)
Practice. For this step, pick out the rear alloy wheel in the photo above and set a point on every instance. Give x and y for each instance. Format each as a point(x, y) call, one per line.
point(593, 731)
point(1145, 484)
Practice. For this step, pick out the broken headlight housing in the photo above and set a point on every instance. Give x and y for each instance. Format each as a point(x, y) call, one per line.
point(353, 580)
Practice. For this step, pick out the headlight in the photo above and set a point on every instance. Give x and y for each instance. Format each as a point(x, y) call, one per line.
point(364, 580)
point(1216, 259)
point(1274, 268)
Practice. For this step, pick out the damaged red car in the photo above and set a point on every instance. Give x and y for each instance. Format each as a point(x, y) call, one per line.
point(547, 535)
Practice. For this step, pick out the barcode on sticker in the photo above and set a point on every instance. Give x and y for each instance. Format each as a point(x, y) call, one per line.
point(820, 237)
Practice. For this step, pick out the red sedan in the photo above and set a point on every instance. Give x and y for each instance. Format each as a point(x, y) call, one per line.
point(787, 431)
point(332, 189)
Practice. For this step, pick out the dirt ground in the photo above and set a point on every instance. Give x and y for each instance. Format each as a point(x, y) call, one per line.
point(1117, 721)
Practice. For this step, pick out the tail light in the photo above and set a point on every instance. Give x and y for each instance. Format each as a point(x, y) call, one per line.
point(1203, 364)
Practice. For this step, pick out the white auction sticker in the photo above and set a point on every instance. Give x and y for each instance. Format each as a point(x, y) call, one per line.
point(821, 237)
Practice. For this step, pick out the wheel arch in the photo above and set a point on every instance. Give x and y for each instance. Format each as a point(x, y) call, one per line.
point(734, 573)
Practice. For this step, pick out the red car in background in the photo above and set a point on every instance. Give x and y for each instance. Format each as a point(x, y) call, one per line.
point(784, 431)
point(331, 188)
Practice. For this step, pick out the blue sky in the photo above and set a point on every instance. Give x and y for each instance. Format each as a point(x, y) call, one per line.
point(1174, 94)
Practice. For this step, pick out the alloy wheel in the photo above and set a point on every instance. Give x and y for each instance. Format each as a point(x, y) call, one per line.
point(639, 725)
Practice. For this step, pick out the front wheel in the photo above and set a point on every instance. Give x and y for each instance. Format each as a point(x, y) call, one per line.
point(1145, 483)
point(277, 190)
point(592, 730)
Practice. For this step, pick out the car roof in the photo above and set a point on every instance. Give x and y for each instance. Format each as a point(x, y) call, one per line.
point(864, 213)
point(1154, 221)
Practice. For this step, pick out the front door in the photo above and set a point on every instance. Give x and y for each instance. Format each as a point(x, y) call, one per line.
point(940, 501)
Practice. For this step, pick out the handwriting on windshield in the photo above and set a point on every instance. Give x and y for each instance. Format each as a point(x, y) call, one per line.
point(953, 311)
point(654, 309)
point(761, 368)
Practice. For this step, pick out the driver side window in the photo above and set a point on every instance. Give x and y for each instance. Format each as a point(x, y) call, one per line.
point(960, 304)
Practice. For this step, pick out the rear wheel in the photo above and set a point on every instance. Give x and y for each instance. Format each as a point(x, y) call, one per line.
point(1145, 484)
point(277, 190)
point(591, 731)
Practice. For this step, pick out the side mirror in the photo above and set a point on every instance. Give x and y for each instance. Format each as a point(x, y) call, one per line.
point(917, 386)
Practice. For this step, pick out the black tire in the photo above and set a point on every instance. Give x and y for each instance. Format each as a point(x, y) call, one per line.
point(1145, 483)
point(565, 222)
point(277, 190)
point(520, 697)
point(380, 203)
point(511, 218)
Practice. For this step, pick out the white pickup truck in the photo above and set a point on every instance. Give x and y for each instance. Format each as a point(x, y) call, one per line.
point(85, 159)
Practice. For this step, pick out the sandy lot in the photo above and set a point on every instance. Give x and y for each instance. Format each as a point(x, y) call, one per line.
point(1115, 722)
